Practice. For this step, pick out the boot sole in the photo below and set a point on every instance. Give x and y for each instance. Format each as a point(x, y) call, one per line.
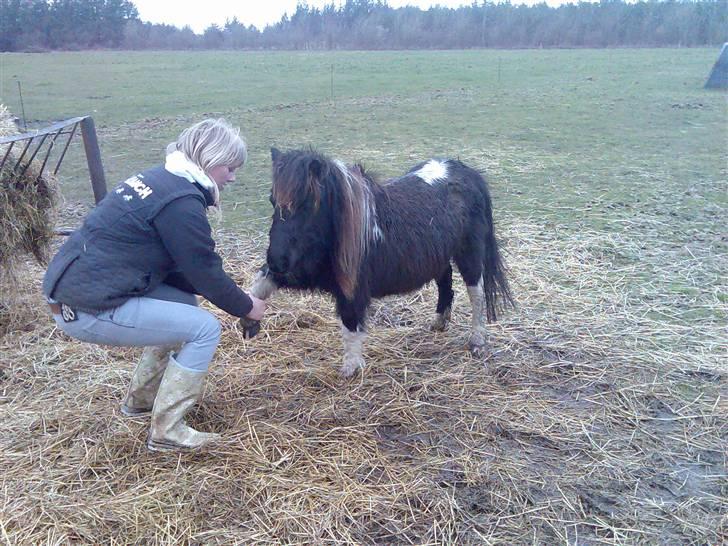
point(163, 446)
point(131, 412)
point(154, 445)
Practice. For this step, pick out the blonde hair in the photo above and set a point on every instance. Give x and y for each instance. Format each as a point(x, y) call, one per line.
point(212, 143)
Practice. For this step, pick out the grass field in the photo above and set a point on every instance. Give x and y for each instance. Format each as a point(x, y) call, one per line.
point(613, 125)
point(603, 417)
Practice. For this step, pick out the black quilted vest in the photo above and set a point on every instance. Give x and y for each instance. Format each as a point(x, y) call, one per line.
point(116, 254)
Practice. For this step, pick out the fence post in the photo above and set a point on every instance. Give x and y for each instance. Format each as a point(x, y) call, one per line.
point(93, 158)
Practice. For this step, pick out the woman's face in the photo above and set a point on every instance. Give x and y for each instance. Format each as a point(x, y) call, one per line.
point(222, 175)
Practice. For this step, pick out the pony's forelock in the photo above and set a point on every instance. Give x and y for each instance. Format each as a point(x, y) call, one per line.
point(293, 184)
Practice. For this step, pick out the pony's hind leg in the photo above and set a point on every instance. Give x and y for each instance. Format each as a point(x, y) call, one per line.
point(471, 268)
point(477, 343)
point(444, 301)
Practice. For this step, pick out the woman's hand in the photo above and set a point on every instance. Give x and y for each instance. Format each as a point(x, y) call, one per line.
point(251, 322)
point(256, 313)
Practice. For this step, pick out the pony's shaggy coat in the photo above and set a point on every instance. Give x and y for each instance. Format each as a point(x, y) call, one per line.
point(335, 229)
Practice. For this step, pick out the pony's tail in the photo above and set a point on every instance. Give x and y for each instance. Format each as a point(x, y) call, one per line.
point(495, 284)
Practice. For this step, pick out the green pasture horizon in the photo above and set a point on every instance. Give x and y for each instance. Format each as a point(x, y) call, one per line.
point(553, 128)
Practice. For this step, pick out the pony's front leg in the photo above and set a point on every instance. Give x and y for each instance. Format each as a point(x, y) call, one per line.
point(353, 335)
point(478, 344)
point(353, 359)
point(263, 288)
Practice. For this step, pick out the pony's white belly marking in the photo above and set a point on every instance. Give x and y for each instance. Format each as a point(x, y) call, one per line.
point(432, 171)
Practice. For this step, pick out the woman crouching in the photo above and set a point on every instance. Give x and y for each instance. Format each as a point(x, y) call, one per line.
point(128, 277)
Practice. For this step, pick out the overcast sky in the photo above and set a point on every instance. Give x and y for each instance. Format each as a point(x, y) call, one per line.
point(201, 14)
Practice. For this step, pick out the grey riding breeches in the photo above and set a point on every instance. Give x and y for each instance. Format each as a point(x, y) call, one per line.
point(165, 316)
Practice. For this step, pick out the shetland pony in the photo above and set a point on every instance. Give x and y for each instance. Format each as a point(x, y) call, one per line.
point(337, 230)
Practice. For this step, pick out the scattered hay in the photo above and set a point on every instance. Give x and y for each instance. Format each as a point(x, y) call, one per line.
point(592, 423)
point(27, 219)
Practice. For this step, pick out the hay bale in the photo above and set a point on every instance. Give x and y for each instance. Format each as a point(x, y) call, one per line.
point(27, 220)
point(27, 202)
point(7, 125)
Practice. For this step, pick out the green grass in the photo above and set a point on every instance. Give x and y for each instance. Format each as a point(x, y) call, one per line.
point(554, 127)
point(621, 141)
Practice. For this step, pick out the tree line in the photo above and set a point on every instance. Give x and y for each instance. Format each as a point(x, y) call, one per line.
point(38, 25)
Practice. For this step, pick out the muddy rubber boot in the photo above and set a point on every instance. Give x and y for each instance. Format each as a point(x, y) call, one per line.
point(145, 381)
point(178, 392)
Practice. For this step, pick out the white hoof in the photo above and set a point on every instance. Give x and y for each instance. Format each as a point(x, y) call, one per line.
point(351, 365)
point(479, 351)
point(478, 346)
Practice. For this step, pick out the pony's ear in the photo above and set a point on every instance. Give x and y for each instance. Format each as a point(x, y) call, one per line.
point(275, 153)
